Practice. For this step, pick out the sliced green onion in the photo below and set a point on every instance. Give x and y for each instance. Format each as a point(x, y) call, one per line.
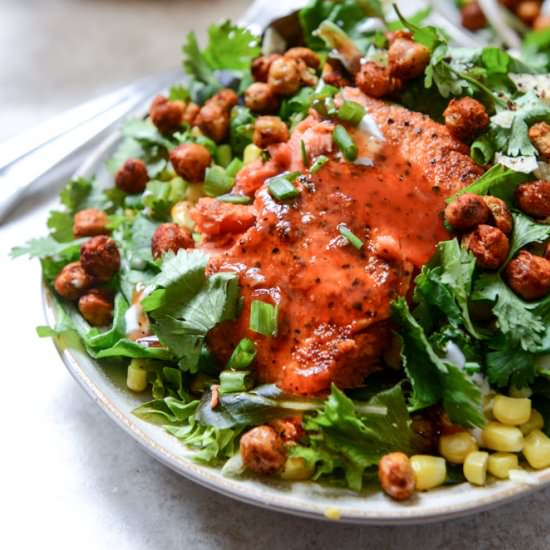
point(263, 318)
point(217, 182)
point(234, 199)
point(345, 143)
point(232, 381)
point(303, 150)
point(242, 355)
point(223, 154)
point(350, 236)
point(351, 111)
point(318, 163)
point(233, 167)
point(281, 188)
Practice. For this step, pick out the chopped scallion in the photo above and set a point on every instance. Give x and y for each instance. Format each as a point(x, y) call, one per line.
point(318, 163)
point(305, 157)
point(345, 143)
point(351, 111)
point(233, 167)
point(232, 381)
point(281, 187)
point(353, 239)
point(234, 199)
point(217, 182)
point(223, 154)
point(263, 318)
point(242, 355)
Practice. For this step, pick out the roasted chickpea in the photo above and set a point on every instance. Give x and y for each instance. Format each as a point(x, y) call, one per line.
point(90, 222)
point(214, 117)
point(541, 22)
point(488, 244)
point(289, 429)
point(392, 36)
point(269, 130)
point(100, 258)
point(501, 216)
point(72, 281)
point(473, 17)
point(166, 115)
point(170, 236)
point(190, 161)
point(262, 450)
point(528, 275)
point(539, 134)
point(309, 57)
point(407, 59)
point(96, 306)
point(528, 11)
point(375, 80)
point(335, 74)
point(259, 98)
point(465, 118)
point(260, 66)
point(190, 113)
point(132, 177)
point(534, 198)
point(467, 211)
point(396, 476)
point(284, 76)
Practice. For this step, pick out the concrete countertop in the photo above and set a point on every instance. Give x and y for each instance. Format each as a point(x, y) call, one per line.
point(70, 478)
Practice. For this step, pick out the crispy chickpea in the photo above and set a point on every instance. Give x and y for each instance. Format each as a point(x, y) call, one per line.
point(269, 130)
point(392, 36)
point(488, 244)
point(396, 476)
point(289, 429)
point(259, 98)
point(90, 222)
point(166, 115)
point(541, 22)
point(190, 161)
point(335, 74)
point(528, 11)
point(72, 281)
point(528, 275)
point(472, 17)
point(260, 66)
point(534, 198)
point(190, 113)
point(501, 216)
point(214, 117)
point(539, 134)
point(100, 258)
point(96, 306)
point(465, 118)
point(284, 76)
point(132, 177)
point(375, 80)
point(170, 236)
point(262, 450)
point(407, 59)
point(466, 212)
point(309, 57)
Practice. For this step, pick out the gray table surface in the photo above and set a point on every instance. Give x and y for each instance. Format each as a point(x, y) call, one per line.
point(70, 478)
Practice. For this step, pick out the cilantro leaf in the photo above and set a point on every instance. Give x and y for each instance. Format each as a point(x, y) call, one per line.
point(61, 226)
point(510, 365)
point(526, 231)
point(43, 247)
point(75, 193)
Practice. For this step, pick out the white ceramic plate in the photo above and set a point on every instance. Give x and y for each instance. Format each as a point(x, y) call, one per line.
point(107, 388)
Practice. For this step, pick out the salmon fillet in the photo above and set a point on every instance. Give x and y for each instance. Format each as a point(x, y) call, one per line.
point(334, 300)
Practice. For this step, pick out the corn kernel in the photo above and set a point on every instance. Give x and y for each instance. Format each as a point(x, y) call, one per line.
point(429, 471)
point(535, 422)
point(296, 469)
point(498, 437)
point(251, 153)
point(475, 467)
point(136, 378)
point(511, 411)
point(500, 464)
point(536, 449)
point(180, 214)
point(456, 447)
point(194, 192)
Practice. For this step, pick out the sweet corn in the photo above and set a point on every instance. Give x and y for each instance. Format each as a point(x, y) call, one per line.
point(500, 464)
point(499, 437)
point(429, 471)
point(536, 449)
point(511, 411)
point(296, 469)
point(194, 192)
point(456, 447)
point(475, 467)
point(251, 153)
point(535, 422)
point(180, 214)
point(136, 378)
